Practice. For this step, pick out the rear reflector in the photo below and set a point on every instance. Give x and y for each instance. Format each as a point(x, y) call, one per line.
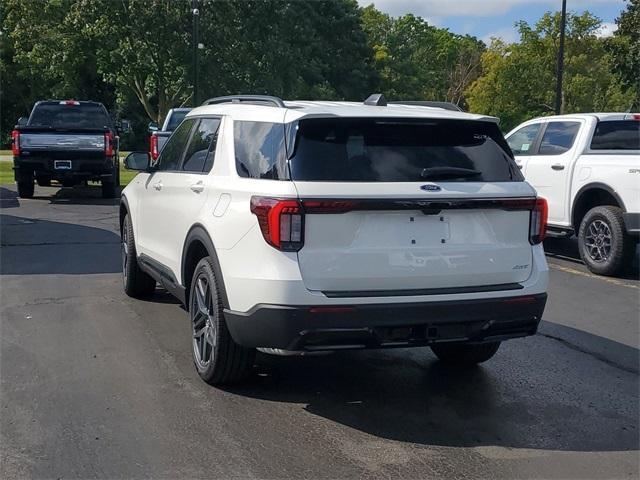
point(527, 299)
point(538, 221)
point(281, 222)
point(153, 147)
point(15, 142)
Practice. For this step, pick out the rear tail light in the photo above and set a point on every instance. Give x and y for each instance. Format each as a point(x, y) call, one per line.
point(153, 147)
point(632, 116)
point(281, 222)
point(69, 102)
point(538, 221)
point(15, 142)
point(108, 144)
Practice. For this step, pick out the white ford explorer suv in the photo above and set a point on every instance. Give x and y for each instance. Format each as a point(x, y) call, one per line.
point(306, 226)
point(587, 166)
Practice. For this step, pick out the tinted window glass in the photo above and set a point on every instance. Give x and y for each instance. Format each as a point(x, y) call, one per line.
point(390, 150)
point(200, 145)
point(521, 141)
point(260, 151)
point(175, 120)
point(85, 115)
point(174, 148)
point(558, 137)
point(617, 135)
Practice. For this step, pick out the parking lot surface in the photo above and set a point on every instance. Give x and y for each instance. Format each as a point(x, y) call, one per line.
point(97, 385)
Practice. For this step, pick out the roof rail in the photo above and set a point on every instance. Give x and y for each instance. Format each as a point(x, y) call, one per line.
point(251, 99)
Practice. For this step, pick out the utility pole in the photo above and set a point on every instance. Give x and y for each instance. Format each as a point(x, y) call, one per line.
point(560, 69)
point(195, 10)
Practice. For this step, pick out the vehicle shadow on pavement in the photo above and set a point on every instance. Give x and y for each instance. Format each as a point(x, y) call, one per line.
point(408, 396)
point(33, 246)
point(90, 195)
point(8, 198)
point(567, 249)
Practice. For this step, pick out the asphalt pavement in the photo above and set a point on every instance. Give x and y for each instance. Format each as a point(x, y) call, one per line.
point(94, 384)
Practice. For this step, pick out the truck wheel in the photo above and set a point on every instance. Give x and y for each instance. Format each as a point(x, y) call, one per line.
point(464, 354)
point(25, 185)
point(137, 284)
point(218, 359)
point(605, 246)
point(108, 189)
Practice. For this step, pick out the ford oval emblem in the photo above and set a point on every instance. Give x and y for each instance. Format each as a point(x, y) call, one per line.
point(430, 188)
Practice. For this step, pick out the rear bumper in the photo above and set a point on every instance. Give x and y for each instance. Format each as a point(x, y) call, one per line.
point(386, 325)
point(632, 223)
point(80, 167)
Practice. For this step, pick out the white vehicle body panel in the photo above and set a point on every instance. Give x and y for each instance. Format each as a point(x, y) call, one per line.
point(486, 247)
point(582, 168)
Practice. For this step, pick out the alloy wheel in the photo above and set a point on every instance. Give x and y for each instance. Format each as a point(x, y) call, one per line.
point(203, 322)
point(598, 240)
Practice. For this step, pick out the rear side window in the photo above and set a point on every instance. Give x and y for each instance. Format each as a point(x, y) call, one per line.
point(175, 120)
point(558, 137)
point(617, 135)
point(172, 152)
point(201, 146)
point(521, 141)
point(63, 115)
point(260, 150)
point(401, 150)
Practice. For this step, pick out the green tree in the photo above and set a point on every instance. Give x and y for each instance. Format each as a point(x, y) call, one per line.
point(518, 80)
point(417, 61)
point(625, 49)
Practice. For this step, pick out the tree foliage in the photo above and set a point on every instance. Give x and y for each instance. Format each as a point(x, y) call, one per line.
point(518, 80)
point(417, 61)
point(136, 57)
point(625, 49)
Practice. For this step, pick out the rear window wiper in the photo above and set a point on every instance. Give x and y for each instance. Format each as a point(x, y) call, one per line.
point(448, 172)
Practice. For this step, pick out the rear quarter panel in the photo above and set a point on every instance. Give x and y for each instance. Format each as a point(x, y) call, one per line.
point(619, 171)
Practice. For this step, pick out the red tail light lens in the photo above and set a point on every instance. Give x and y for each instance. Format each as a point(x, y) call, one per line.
point(538, 221)
point(15, 142)
point(153, 147)
point(108, 144)
point(281, 222)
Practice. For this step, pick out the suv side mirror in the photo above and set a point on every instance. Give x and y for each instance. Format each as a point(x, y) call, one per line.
point(153, 127)
point(125, 126)
point(137, 161)
point(22, 121)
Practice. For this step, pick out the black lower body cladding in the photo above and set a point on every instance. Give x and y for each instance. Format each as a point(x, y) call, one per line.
point(386, 325)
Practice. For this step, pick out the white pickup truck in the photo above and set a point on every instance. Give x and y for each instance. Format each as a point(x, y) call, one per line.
point(587, 166)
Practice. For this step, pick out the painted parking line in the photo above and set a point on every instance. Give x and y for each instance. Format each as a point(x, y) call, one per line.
point(612, 281)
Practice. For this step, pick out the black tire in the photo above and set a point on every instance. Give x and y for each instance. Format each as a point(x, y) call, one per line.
point(44, 182)
point(604, 245)
point(217, 358)
point(25, 185)
point(108, 189)
point(137, 284)
point(465, 354)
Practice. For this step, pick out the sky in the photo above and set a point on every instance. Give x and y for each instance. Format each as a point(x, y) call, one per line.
point(495, 18)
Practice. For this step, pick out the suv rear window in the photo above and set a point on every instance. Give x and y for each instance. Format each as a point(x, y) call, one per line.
point(401, 150)
point(56, 115)
point(617, 135)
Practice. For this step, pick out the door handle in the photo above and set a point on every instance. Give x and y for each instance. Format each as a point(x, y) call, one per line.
point(197, 187)
point(557, 166)
point(157, 185)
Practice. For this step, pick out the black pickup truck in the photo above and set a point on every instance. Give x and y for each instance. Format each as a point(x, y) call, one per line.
point(68, 141)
